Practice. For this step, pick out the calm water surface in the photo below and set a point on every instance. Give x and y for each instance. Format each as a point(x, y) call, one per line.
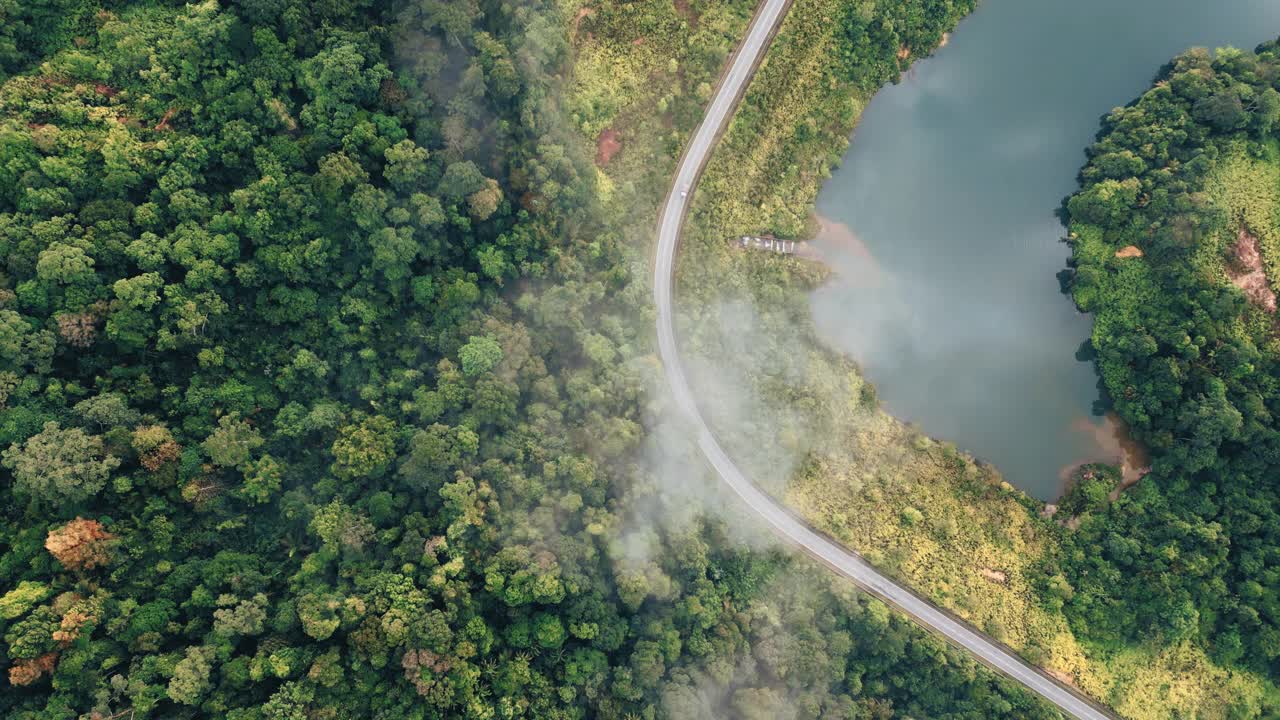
point(948, 295)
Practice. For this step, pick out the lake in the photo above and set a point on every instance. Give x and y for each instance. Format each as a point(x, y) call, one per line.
point(941, 226)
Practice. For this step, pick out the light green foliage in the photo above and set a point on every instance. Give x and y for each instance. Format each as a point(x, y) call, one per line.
point(21, 346)
point(233, 442)
point(32, 636)
point(480, 355)
point(19, 600)
point(108, 410)
point(59, 465)
point(141, 292)
point(192, 676)
point(14, 330)
point(911, 516)
point(339, 526)
point(407, 167)
point(364, 449)
point(548, 631)
point(241, 617)
point(1106, 203)
point(62, 263)
point(318, 613)
point(262, 479)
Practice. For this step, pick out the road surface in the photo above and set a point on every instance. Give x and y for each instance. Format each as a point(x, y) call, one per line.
point(785, 524)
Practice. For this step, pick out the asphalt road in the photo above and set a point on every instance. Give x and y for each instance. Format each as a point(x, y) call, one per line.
point(785, 524)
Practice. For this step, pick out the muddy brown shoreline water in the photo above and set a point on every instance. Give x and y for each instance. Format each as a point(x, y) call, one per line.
point(1109, 439)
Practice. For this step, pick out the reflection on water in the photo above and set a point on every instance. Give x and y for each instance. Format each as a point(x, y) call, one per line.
point(941, 228)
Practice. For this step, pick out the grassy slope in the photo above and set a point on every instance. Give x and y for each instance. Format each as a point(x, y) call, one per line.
point(801, 416)
point(1248, 189)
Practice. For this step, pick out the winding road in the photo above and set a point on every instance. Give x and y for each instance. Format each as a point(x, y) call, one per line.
point(785, 524)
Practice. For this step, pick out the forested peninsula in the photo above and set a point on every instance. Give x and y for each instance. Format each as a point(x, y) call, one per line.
point(1175, 250)
point(326, 389)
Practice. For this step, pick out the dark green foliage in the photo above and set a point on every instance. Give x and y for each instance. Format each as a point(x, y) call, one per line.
point(308, 310)
point(32, 29)
point(1191, 366)
point(881, 39)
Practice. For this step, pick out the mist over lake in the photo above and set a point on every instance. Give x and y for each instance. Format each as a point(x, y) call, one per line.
point(947, 294)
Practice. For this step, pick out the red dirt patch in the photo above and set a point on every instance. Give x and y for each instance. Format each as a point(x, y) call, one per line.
point(996, 576)
point(585, 12)
point(904, 52)
point(686, 12)
point(1063, 677)
point(164, 121)
point(1129, 251)
point(1244, 267)
point(607, 146)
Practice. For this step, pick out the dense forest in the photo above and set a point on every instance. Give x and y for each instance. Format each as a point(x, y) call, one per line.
point(1176, 240)
point(323, 392)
